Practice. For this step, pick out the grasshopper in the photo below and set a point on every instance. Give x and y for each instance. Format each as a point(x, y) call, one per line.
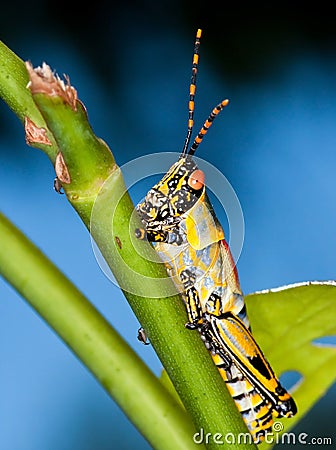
point(179, 221)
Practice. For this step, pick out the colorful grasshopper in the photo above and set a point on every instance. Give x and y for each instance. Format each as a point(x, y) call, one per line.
point(181, 224)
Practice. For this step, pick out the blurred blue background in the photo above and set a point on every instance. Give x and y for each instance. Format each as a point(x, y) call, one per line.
point(275, 143)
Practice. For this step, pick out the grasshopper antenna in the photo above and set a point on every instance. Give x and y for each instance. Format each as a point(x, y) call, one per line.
point(192, 90)
point(207, 125)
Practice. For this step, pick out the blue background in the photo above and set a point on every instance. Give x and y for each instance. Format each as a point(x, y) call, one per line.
point(275, 143)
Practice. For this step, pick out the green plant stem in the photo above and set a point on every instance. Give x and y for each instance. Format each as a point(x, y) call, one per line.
point(111, 360)
point(98, 194)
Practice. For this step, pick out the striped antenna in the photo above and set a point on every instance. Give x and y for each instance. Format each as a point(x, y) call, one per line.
point(206, 126)
point(192, 91)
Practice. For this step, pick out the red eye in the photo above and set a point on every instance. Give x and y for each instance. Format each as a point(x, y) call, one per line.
point(196, 179)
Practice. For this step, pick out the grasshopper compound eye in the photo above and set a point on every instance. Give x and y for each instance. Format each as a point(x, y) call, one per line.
point(196, 180)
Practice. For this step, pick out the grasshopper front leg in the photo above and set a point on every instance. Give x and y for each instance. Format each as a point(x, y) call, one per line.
point(191, 299)
point(194, 311)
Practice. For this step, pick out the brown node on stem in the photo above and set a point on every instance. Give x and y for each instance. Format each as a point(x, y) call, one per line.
point(61, 169)
point(35, 134)
point(44, 81)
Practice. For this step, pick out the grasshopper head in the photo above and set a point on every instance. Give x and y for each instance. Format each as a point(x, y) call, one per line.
point(175, 194)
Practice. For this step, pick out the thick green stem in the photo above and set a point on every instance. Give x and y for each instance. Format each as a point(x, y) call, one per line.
point(108, 211)
point(97, 192)
point(116, 366)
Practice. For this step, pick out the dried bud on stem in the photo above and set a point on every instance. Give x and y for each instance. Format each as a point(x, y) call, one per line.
point(43, 80)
